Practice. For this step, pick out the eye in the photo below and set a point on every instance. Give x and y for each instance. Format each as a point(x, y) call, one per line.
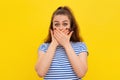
point(65, 24)
point(56, 24)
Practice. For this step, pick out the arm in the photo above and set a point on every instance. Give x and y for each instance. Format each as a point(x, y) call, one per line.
point(79, 63)
point(44, 60)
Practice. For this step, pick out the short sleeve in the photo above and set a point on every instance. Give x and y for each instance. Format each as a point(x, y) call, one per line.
point(82, 47)
point(43, 47)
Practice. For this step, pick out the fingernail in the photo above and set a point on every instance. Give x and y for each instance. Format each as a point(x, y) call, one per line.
point(70, 29)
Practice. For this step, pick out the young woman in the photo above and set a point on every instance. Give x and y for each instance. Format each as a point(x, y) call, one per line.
point(63, 56)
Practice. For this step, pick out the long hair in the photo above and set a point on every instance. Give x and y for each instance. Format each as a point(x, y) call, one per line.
point(75, 37)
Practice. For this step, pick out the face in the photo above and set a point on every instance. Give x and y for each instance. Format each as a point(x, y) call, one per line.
point(61, 22)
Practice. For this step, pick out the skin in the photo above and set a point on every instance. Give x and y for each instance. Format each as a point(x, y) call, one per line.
point(61, 36)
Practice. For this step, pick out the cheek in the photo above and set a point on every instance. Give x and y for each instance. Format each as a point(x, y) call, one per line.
point(54, 27)
point(68, 26)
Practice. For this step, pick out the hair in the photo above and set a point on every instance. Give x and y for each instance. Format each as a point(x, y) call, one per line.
point(75, 37)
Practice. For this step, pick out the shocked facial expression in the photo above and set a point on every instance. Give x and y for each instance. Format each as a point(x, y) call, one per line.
point(61, 22)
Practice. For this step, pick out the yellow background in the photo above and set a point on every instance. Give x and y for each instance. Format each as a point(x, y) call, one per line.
point(24, 25)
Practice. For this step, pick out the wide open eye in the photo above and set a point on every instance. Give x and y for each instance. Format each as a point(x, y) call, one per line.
point(56, 24)
point(65, 24)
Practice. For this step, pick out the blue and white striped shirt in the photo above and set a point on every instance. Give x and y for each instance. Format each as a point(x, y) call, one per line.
point(61, 68)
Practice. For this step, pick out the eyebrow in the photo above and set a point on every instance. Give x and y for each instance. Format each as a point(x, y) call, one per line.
point(62, 21)
point(65, 21)
point(55, 21)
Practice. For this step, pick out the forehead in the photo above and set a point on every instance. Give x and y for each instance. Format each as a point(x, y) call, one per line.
point(61, 18)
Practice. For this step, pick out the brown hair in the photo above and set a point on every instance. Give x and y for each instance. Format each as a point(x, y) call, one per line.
point(73, 24)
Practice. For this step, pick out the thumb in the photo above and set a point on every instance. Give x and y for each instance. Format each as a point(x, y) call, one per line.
point(51, 32)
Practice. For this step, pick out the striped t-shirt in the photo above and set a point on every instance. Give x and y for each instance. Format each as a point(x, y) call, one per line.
point(61, 68)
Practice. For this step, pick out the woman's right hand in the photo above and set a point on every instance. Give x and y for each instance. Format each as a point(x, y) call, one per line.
point(54, 41)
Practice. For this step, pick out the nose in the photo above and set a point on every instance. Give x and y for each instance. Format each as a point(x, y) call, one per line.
point(61, 28)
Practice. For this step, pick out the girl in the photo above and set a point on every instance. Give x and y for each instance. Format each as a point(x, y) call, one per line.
point(63, 56)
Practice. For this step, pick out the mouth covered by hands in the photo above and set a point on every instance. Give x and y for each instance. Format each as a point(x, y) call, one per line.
point(62, 36)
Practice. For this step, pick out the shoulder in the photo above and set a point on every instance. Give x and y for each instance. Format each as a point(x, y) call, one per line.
point(79, 47)
point(43, 46)
point(78, 44)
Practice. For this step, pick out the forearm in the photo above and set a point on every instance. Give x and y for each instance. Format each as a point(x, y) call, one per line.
point(45, 62)
point(78, 65)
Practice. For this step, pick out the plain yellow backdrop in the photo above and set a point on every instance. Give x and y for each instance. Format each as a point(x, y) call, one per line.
point(24, 25)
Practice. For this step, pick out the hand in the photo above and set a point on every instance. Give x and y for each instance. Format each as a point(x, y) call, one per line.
point(62, 37)
point(54, 41)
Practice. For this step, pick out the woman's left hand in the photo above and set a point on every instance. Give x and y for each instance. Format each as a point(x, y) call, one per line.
point(63, 37)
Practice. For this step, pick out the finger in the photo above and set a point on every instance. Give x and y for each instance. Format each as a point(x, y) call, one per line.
point(57, 37)
point(57, 33)
point(52, 35)
point(63, 30)
point(54, 28)
point(70, 34)
point(66, 32)
point(60, 32)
